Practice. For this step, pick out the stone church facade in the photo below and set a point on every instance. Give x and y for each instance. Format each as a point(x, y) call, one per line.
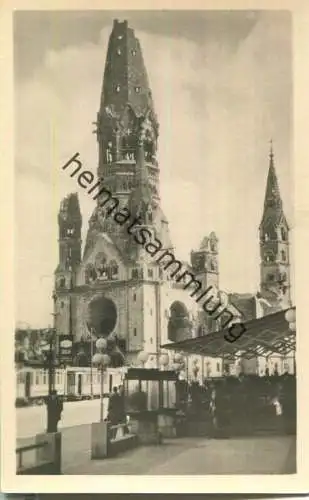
point(114, 288)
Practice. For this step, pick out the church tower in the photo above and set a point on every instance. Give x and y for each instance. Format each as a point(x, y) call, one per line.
point(70, 224)
point(205, 266)
point(118, 290)
point(205, 262)
point(127, 134)
point(274, 244)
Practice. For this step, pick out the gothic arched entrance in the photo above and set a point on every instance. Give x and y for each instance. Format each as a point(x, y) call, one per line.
point(179, 324)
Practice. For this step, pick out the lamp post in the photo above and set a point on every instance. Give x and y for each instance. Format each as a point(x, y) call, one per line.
point(143, 358)
point(48, 350)
point(101, 361)
point(91, 363)
point(164, 361)
point(290, 317)
point(178, 363)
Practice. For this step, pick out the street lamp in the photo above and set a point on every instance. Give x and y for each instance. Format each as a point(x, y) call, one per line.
point(178, 363)
point(143, 357)
point(290, 317)
point(164, 361)
point(101, 361)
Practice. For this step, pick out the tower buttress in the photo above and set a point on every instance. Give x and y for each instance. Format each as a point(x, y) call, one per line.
point(127, 135)
point(126, 105)
point(274, 244)
point(205, 261)
point(205, 267)
point(70, 224)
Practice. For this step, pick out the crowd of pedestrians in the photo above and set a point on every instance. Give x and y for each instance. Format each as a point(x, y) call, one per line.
point(241, 403)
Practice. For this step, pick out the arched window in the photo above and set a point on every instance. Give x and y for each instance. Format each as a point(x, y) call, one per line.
point(269, 257)
point(150, 273)
point(266, 237)
point(90, 274)
point(113, 269)
point(212, 246)
point(283, 255)
point(61, 282)
point(179, 321)
point(101, 265)
point(135, 274)
point(283, 234)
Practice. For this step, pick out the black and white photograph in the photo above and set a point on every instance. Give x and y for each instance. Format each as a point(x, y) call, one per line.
point(154, 256)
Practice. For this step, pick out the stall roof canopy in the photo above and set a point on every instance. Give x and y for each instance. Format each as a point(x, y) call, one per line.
point(263, 336)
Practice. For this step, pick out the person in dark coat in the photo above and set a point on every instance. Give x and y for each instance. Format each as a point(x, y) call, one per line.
point(122, 408)
point(54, 410)
point(115, 409)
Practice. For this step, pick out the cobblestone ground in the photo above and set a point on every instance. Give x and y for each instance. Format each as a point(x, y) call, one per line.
point(259, 455)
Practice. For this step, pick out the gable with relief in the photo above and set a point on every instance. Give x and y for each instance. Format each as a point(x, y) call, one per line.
point(103, 263)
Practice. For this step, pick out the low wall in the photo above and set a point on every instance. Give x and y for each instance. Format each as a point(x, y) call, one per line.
point(47, 456)
point(108, 441)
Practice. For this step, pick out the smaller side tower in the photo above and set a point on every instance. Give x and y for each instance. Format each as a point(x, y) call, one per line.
point(274, 244)
point(204, 261)
point(205, 267)
point(70, 243)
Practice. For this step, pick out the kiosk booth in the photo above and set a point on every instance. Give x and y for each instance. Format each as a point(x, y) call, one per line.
point(151, 403)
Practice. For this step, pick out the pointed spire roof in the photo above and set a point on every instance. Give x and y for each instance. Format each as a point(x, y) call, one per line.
point(125, 76)
point(272, 195)
point(273, 207)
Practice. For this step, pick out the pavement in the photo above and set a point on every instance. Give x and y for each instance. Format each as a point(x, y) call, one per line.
point(32, 420)
point(181, 456)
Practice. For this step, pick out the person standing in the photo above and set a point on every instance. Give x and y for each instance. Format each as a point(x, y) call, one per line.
point(114, 410)
point(122, 409)
point(54, 411)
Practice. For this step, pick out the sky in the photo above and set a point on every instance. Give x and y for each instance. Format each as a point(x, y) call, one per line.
point(222, 88)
